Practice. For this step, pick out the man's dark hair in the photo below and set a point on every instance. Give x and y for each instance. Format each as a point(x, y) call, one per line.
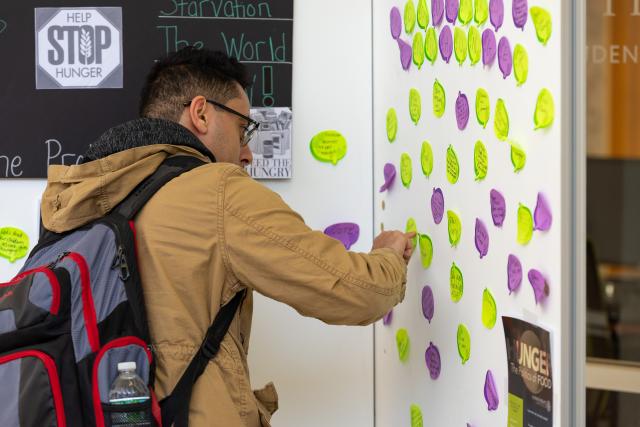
point(189, 72)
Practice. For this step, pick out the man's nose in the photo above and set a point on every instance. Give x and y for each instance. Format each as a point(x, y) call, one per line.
point(246, 156)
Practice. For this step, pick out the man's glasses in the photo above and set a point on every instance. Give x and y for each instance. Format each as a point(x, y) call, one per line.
point(249, 129)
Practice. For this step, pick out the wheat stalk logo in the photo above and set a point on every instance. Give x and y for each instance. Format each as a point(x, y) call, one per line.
point(86, 46)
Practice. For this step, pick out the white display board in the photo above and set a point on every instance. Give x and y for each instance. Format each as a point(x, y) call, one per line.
point(456, 397)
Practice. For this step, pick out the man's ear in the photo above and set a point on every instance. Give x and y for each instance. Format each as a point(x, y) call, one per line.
point(197, 114)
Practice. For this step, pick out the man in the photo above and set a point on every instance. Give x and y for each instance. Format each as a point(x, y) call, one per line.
point(214, 231)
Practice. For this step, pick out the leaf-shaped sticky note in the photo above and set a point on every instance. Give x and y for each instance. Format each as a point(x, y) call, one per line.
point(465, 13)
point(412, 228)
point(462, 111)
point(460, 44)
point(489, 310)
point(446, 43)
point(520, 64)
point(423, 14)
point(519, 9)
point(498, 207)
point(456, 283)
point(409, 16)
point(406, 53)
point(431, 45)
point(464, 343)
point(451, 10)
point(416, 416)
point(525, 225)
point(539, 285)
point(386, 320)
point(518, 157)
point(402, 342)
point(328, 146)
point(345, 232)
point(482, 11)
point(483, 107)
point(496, 13)
point(542, 21)
point(437, 12)
point(505, 60)
point(542, 214)
point(544, 114)
point(514, 273)
point(432, 358)
point(437, 205)
point(453, 167)
point(426, 159)
point(454, 228)
point(406, 169)
point(428, 303)
point(426, 250)
point(392, 124)
point(395, 22)
point(491, 392)
point(439, 99)
point(389, 176)
point(415, 105)
point(501, 121)
point(488, 47)
point(481, 238)
point(14, 244)
point(418, 49)
point(480, 161)
point(475, 45)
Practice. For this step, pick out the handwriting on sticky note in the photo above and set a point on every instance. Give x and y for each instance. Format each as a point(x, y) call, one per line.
point(520, 64)
point(426, 250)
point(480, 161)
point(329, 146)
point(454, 228)
point(392, 125)
point(415, 105)
point(545, 111)
point(453, 167)
point(475, 44)
point(483, 107)
point(439, 99)
point(431, 45)
point(428, 303)
point(406, 169)
point(402, 343)
point(542, 21)
point(482, 11)
point(14, 243)
point(464, 343)
point(456, 283)
point(489, 310)
point(525, 225)
point(501, 121)
point(460, 44)
point(423, 14)
point(426, 158)
point(432, 359)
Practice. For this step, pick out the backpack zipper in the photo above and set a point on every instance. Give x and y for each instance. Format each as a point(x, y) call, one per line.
point(120, 262)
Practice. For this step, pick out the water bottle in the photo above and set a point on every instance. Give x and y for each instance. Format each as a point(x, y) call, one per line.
point(128, 389)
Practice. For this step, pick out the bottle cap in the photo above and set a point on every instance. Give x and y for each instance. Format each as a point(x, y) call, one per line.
point(126, 366)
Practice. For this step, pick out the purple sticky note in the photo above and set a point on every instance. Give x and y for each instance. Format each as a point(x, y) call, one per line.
point(498, 207)
point(346, 232)
point(539, 285)
point(514, 273)
point(491, 392)
point(406, 52)
point(437, 12)
point(446, 43)
point(542, 215)
point(451, 7)
point(432, 358)
point(520, 11)
point(462, 111)
point(389, 176)
point(488, 47)
point(437, 205)
point(496, 13)
point(505, 59)
point(386, 320)
point(428, 304)
point(396, 22)
point(482, 238)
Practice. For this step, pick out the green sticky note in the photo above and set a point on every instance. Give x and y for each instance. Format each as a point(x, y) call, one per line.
point(392, 124)
point(475, 45)
point(480, 161)
point(454, 228)
point(518, 157)
point(483, 107)
point(464, 343)
point(456, 283)
point(544, 114)
point(460, 44)
point(409, 17)
point(520, 64)
point(489, 310)
point(453, 167)
point(416, 416)
point(515, 412)
point(426, 250)
point(418, 49)
point(542, 21)
point(411, 227)
point(431, 45)
point(423, 14)
point(525, 225)
point(14, 243)
point(328, 146)
point(402, 342)
point(406, 169)
point(482, 11)
point(439, 99)
point(426, 159)
point(501, 121)
point(415, 105)
point(465, 12)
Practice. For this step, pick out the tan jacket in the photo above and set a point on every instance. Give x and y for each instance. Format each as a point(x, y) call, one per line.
point(205, 236)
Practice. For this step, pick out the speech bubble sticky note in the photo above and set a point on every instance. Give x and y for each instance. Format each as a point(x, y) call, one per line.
point(432, 359)
point(480, 161)
point(525, 225)
point(482, 11)
point(431, 45)
point(14, 244)
point(475, 45)
point(428, 303)
point(437, 12)
point(411, 227)
point(544, 114)
point(464, 343)
point(491, 392)
point(519, 9)
point(460, 44)
point(395, 22)
point(418, 49)
point(406, 170)
point(388, 318)
point(465, 13)
point(426, 158)
point(542, 21)
point(481, 238)
point(446, 43)
point(514, 273)
point(454, 228)
point(462, 110)
point(389, 176)
point(415, 105)
point(439, 99)
point(402, 342)
point(498, 207)
point(518, 157)
point(483, 107)
point(453, 167)
point(451, 10)
point(542, 214)
point(409, 16)
point(520, 64)
point(501, 121)
point(437, 205)
point(488, 47)
point(329, 146)
point(539, 284)
point(489, 310)
point(423, 14)
point(426, 250)
point(505, 60)
point(416, 416)
point(392, 124)
point(456, 283)
point(406, 53)
point(346, 232)
point(496, 13)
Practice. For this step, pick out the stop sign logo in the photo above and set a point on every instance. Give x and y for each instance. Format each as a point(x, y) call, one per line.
point(78, 48)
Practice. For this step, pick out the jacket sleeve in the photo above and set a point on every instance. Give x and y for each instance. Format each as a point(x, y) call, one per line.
point(268, 247)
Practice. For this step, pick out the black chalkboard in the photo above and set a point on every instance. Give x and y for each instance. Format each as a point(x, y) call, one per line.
point(39, 127)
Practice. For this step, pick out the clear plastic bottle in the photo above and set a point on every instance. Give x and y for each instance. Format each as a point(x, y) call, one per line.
point(128, 389)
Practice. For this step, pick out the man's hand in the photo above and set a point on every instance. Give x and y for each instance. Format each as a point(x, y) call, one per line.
point(396, 240)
